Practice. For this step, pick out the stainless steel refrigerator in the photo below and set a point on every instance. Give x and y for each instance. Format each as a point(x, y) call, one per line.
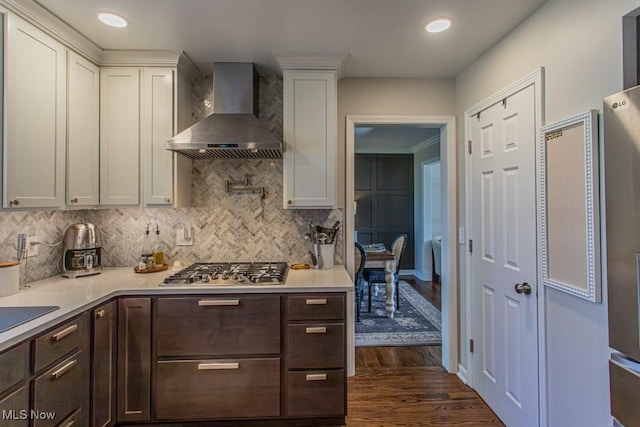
point(622, 191)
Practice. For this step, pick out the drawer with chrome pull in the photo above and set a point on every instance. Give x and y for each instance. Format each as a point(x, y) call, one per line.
point(213, 389)
point(315, 345)
point(217, 325)
point(62, 390)
point(61, 341)
point(315, 307)
point(315, 393)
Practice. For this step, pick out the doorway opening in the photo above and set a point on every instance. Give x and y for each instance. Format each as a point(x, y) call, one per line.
point(446, 125)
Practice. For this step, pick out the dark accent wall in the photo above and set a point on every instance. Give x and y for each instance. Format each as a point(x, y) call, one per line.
point(384, 196)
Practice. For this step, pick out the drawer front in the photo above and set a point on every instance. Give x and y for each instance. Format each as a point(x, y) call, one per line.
point(14, 366)
point(61, 341)
point(316, 393)
point(240, 388)
point(76, 419)
point(314, 345)
point(315, 307)
point(62, 390)
point(14, 408)
point(218, 326)
point(625, 389)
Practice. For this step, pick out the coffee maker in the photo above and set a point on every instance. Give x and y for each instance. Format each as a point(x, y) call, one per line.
point(81, 251)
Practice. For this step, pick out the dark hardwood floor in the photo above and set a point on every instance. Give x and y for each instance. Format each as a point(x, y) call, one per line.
point(407, 386)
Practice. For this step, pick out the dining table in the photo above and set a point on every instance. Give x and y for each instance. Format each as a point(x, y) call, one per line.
point(377, 257)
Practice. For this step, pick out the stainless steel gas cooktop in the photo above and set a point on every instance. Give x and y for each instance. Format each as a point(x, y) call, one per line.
point(235, 273)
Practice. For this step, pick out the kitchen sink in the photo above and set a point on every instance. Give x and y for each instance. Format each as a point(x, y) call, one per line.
point(10, 317)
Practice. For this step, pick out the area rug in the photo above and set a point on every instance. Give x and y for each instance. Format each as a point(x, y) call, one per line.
point(417, 322)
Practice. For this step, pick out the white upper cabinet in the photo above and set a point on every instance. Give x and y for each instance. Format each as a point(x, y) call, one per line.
point(83, 132)
point(34, 149)
point(120, 136)
point(156, 127)
point(310, 137)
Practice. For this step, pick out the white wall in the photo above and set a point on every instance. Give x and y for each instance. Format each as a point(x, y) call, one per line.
point(579, 43)
point(422, 249)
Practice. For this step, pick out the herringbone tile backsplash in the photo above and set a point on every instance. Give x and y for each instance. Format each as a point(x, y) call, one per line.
point(227, 226)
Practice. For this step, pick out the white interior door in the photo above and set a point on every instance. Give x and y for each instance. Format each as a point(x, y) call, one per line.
point(503, 218)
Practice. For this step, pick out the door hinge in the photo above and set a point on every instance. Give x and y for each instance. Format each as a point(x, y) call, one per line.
point(469, 146)
point(470, 246)
point(470, 346)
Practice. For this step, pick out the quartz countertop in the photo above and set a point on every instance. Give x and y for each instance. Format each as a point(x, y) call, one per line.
point(74, 296)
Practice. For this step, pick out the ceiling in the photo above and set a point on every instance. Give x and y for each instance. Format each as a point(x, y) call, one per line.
point(391, 138)
point(383, 38)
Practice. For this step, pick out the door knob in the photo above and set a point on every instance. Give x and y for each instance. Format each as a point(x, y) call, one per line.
point(523, 288)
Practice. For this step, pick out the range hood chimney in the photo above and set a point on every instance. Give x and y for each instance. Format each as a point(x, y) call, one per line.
point(233, 131)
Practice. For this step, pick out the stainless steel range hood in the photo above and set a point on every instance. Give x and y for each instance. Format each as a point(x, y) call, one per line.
point(233, 131)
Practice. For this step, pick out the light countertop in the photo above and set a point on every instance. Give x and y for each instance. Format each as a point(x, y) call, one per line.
point(77, 295)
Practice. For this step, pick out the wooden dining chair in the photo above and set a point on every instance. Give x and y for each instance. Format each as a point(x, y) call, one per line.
point(377, 275)
point(360, 260)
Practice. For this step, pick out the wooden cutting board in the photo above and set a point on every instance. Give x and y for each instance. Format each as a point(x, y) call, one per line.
point(8, 263)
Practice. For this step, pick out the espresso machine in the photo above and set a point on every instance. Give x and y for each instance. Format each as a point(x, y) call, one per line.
point(81, 251)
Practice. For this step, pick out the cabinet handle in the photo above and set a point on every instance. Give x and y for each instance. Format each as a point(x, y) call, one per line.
point(317, 330)
point(63, 333)
point(167, 200)
point(218, 302)
point(101, 313)
point(322, 301)
point(66, 368)
point(15, 202)
point(316, 377)
point(209, 366)
point(74, 200)
point(289, 202)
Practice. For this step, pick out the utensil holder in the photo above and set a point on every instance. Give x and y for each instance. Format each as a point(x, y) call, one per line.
point(9, 279)
point(325, 254)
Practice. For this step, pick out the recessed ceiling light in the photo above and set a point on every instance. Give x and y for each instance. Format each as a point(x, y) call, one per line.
point(437, 25)
point(112, 20)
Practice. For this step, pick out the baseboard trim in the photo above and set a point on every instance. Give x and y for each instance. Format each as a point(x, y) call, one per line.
point(463, 374)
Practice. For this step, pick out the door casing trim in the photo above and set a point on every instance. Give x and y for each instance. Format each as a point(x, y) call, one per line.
point(450, 330)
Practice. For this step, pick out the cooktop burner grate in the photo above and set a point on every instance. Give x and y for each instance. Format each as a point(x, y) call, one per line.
point(220, 273)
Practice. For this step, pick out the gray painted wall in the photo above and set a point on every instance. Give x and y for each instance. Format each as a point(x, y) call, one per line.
point(580, 45)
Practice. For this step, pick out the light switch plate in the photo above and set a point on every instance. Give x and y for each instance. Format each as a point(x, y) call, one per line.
point(32, 250)
point(461, 236)
point(184, 236)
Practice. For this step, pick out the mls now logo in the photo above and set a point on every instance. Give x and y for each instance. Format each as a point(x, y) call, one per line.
point(26, 415)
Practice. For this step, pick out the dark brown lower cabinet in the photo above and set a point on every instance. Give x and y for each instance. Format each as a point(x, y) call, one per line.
point(61, 391)
point(315, 393)
point(14, 408)
point(134, 360)
point(216, 389)
point(103, 365)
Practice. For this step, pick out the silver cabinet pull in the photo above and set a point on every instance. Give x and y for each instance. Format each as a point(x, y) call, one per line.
point(218, 302)
point(316, 330)
point(66, 368)
point(218, 365)
point(316, 377)
point(321, 301)
point(101, 313)
point(63, 333)
point(167, 200)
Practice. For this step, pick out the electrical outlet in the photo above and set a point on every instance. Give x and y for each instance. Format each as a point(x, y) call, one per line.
point(184, 236)
point(32, 250)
